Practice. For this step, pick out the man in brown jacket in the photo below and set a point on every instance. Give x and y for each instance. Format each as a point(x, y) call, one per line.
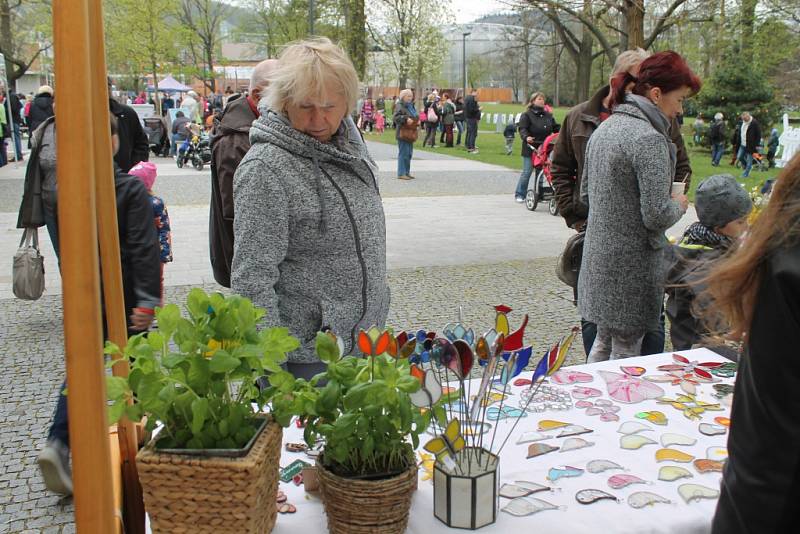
point(230, 142)
point(567, 169)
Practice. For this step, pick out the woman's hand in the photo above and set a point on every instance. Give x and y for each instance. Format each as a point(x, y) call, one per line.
point(682, 200)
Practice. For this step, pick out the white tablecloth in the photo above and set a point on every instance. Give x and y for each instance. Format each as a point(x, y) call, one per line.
point(603, 516)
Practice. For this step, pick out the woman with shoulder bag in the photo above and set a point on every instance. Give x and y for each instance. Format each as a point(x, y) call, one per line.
point(432, 113)
point(406, 121)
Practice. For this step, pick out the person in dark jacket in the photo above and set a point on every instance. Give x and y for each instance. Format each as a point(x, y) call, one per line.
point(472, 114)
point(772, 146)
point(405, 118)
point(133, 144)
point(535, 125)
point(757, 292)
point(722, 207)
point(179, 132)
point(230, 142)
point(459, 116)
point(16, 123)
point(747, 137)
point(716, 136)
point(141, 284)
point(41, 107)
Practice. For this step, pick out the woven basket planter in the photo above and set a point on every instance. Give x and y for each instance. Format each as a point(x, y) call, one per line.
point(195, 494)
point(356, 506)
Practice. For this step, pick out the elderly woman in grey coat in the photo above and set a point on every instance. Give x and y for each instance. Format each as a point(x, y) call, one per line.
point(627, 182)
point(310, 234)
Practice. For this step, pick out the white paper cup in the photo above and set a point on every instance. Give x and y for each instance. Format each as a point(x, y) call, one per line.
point(678, 188)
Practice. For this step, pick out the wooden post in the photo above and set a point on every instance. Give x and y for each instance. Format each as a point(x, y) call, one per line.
point(88, 425)
point(108, 233)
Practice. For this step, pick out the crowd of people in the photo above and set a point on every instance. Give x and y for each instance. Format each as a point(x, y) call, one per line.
point(297, 225)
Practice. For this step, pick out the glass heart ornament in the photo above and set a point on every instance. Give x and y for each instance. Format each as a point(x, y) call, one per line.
point(670, 439)
point(538, 449)
point(521, 488)
point(524, 506)
point(673, 455)
point(632, 442)
point(696, 492)
point(567, 376)
point(590, 496)
point(640, 499)
point(623, 481)
point(567, 471)
point(571, 444)
point(600, 465)
point(629, 389)
point(633, 427)
point(670, 473)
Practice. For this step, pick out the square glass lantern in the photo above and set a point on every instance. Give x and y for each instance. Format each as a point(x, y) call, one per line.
point(466, 497)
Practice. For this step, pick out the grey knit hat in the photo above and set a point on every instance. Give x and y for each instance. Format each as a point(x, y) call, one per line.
point(720, 199)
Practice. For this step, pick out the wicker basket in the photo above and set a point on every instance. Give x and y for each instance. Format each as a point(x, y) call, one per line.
point(367, 506)
point(195, 494)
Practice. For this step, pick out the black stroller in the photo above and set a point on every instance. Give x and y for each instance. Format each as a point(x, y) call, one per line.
point(198, 151)
point(156, 131)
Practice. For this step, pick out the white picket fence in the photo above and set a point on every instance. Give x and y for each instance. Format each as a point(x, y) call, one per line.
point(790, 142)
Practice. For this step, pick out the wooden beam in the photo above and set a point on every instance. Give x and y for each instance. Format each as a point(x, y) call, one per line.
point(111, 269)
point(86, 398)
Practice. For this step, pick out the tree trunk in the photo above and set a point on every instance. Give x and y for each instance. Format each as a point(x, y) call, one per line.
point(355, 35)
point(7, 42)
point(748, 15)
point(584, 66)
point(156, 96)
point(634, 23)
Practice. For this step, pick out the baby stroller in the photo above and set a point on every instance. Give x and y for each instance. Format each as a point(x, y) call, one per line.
point(156, 132)
point(541, 189)
point(197, 149)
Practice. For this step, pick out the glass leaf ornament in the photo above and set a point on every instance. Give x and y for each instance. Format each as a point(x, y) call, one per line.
point(640, 499)
point(494, 413)
point(673, 455)
point(523, 506)
point(446, 445)
point(521, 382)
point(339, 342)
point(654, 416)
point(724, 421)
point(696, 492)
point(532, 436)
point(599, 466)
point(632, 442)
point(515, 363)
point(670, 473)
point(573, 430)
point(622, 481)
point(582, 392)
point(689, 405)
point(590, 496)
point(633, 427)
point(722, 390)
point(549, 424)
point(567, 376)
point(538, 449)
point(563, 472)
point(486, 351)
point(465, 357)
point(669, 439)
point(430, 391)
point(373, 342)
point(707, 429)
point(704, 465)
point(629, 389)
point(408, 348)
point(726, 370)
point(571, 444)
point(717, 453)
point(521, 488)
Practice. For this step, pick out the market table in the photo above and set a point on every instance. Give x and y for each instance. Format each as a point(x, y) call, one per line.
point(605, 516)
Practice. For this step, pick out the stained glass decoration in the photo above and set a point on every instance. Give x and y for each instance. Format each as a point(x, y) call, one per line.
point(633, 427)
point(520, 382)
point(726, 370)
point(538, 449)
point(669, 439)
point(549, 424)
point(704, 465)
point(494, 413)
point(563, 472)
point(571, 444)
point(373, 342)
point(446, 445)
point(640, 499)
point(724, 421)
point(529, 437)
point(654, 416)
point(673, 455)
point(634, 441)
point(670, 473)
point(426, 462)
point(696, 492)
point(544, 398)
point(589, 496)
point(477, 428)
point(604, 408)
point(568, 376)
point(633, 371)
point(599, 466)
point(722, 390)
point(583, 392)
point(521, 488)
point(629, 389)
point(689, 405)
point(708, 429)
point(622, 481)
point(523, 506)
point(719, 454)
point(573, 430)
point(430, 392)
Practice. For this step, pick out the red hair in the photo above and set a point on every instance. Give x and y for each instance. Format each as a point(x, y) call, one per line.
point(666, 70)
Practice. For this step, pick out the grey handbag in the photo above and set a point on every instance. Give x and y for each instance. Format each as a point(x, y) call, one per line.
point(28, 270)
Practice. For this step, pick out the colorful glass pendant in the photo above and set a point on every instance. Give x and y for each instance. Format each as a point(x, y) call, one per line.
point(629, 389)
point(567, 376)
point(564, 472)
point(538, 449)
point(521, 488)
point(640, 499)
point(581, 392)
point(667, 440)
point(634, 441)
point(717, 453)
point(654, 416)
point(573, 430)
point(704, 465)
point(724, 421)
point(673, 455)
point(696, 492)
point(549, 424)
point(589, 496)
point(522, 382)
point(571, 444)
point(633, 371)
point(599, 466)
point(670, 473)
point(726, 370)
point(707, 429)
point(632, 427)
point(691, 407)
point(523, 506)
point(584, 404)
point(529, 437)
point(621, 481)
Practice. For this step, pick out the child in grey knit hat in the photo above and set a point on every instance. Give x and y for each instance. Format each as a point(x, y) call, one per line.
point(722, 207)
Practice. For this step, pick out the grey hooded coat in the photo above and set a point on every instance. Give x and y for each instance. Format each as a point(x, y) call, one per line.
point(626, 183)
point(309, 233)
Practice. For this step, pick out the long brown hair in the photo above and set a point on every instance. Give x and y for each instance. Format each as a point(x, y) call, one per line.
point(733, 285)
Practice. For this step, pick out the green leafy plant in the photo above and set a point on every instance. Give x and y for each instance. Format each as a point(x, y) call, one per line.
point(362, 412)
point(197, 375)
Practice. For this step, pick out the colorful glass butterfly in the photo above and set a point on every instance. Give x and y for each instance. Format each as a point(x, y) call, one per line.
point(445, 446)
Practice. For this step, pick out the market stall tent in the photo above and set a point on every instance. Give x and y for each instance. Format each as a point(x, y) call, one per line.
point(171, 85)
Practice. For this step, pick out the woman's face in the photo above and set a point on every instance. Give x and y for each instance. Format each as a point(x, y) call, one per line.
point(539, 101)
point(318, 117)
point(734, 229)
point(671, 103)
point(408, 98)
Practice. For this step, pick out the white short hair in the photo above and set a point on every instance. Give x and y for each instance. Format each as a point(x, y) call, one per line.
point(719, 116)
point(629, 59)
point(308, 69)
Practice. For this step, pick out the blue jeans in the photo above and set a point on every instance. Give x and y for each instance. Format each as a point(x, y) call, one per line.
point(173, 146)
point(460, 126)
point(17, 143)
point(653, 342)
point(405, 151)
point(747, 160)
point(717, 151)
point(524, 178)
point(60, 428)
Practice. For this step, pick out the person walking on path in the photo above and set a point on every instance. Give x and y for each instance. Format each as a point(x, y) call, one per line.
point(627, 183)
point(747, 137)
point(472, 115)
point(230, 141)
point(535, 125)
point(716, 135)
point(406, 124)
